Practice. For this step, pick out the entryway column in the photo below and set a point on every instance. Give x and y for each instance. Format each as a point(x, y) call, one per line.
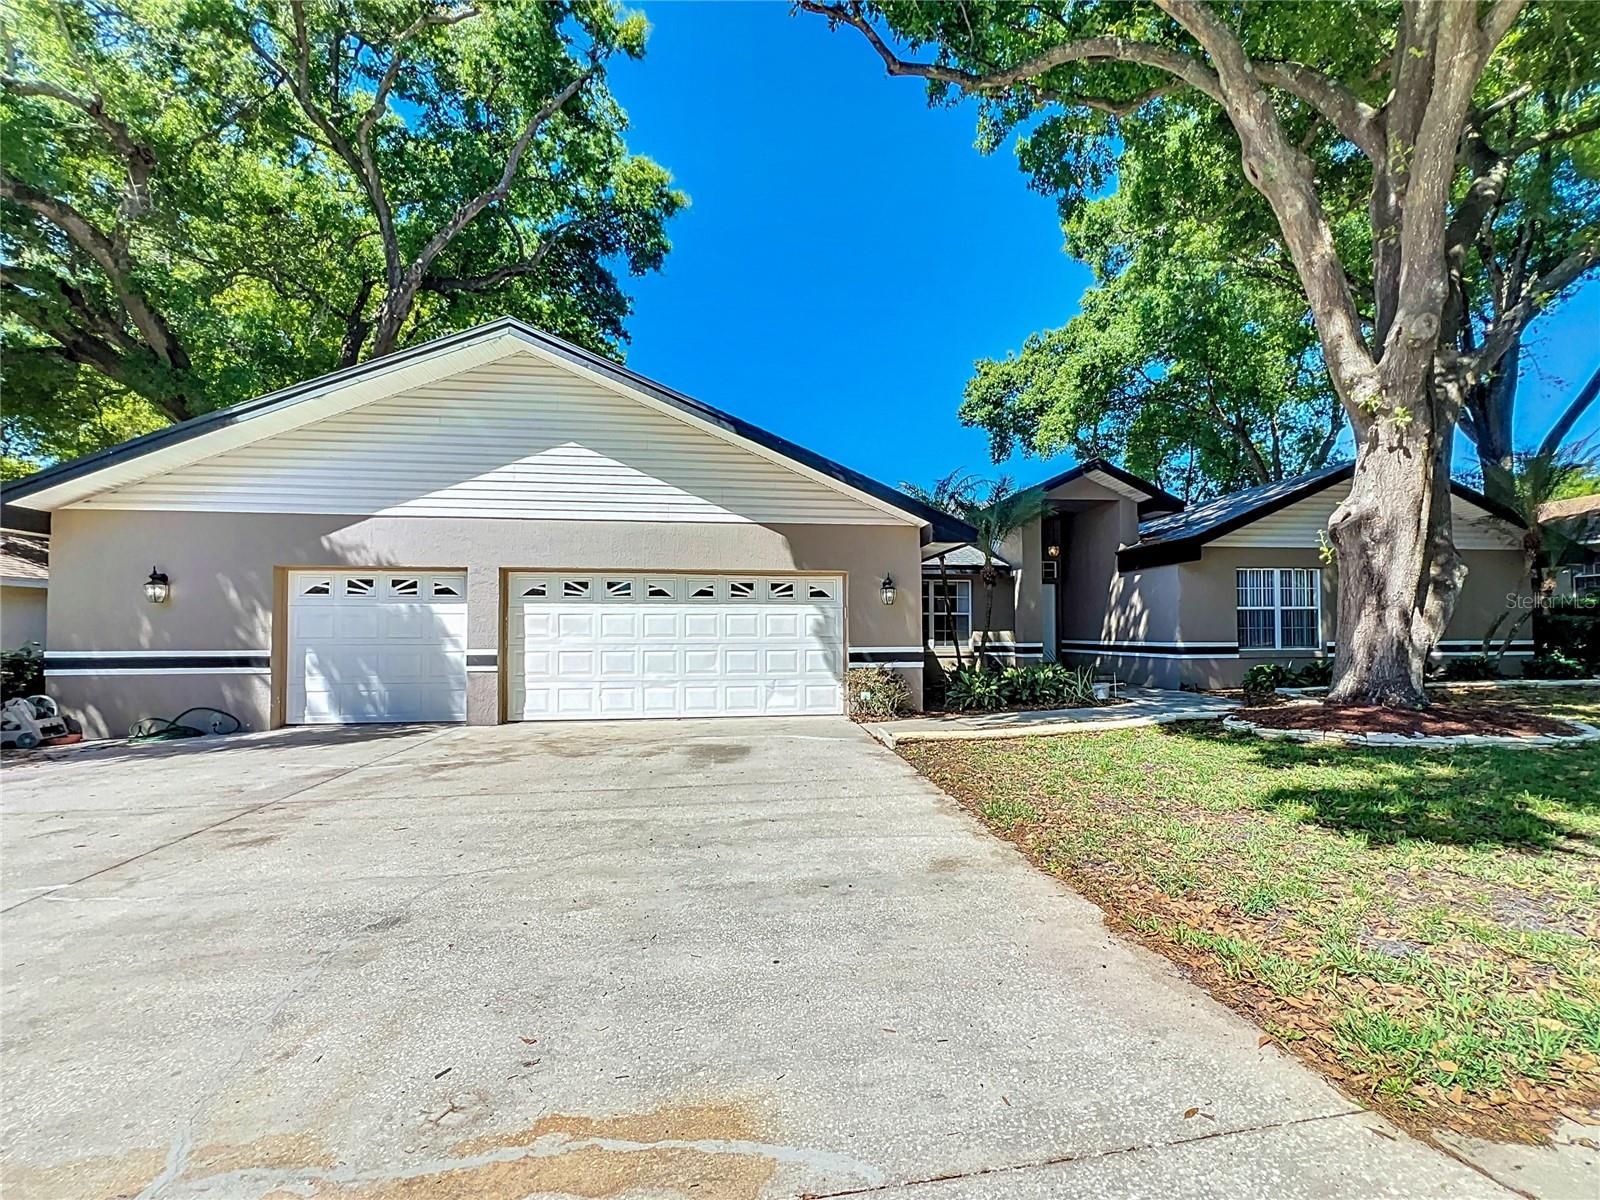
point(484, 624)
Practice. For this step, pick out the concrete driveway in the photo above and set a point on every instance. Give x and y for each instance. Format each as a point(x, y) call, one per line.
point(729, 959)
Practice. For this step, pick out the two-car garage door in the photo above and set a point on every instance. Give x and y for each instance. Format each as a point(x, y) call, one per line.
point(608, 646)
point(368, 645)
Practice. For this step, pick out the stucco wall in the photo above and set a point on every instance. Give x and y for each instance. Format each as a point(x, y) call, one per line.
point(22, 616)
point(225, 570)
point(1207, 611)
point(1003, 628)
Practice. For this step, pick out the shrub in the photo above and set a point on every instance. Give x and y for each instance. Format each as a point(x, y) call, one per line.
point(1318, 672)
point(1470, 667)
point(1570, 626)
point(1043, 685)
point(970, 690)
point(1261, 680)
point(1555, 665)
point(876, 693)
point(22, 672)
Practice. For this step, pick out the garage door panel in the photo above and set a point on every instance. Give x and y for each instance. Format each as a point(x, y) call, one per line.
point(368, 646)
point(592, 645)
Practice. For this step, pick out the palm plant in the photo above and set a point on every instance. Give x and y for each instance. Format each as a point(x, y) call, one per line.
point(1526, 487)
point(998, 515)
point(950, 494)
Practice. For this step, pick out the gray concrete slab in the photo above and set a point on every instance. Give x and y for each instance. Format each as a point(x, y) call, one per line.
point(738, 959)
point(1136, 707)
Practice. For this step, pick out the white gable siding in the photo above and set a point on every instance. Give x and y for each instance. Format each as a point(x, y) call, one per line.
point(1298, 525)
point(515, 438)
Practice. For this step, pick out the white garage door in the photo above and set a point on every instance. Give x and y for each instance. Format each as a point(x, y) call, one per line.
point(597, 647)
point(377, 646)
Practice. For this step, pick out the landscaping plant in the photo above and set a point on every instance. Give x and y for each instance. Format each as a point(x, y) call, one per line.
point(1043, 685)
point(876, 693)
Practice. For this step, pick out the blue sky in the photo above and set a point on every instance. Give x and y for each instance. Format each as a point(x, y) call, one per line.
point(848, 253)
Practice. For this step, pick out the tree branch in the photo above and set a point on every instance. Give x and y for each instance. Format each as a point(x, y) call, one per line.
point(139, 158)
point(1357, 121)
point(1564, 423)
point(1099, 49)
point(380, 98)
point(1508, 326)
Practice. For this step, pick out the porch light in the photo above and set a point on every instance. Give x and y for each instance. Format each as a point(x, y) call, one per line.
point(156, 588)
point(1053, 551)
point(888, 589)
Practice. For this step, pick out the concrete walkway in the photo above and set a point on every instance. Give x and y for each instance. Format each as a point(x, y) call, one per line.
point(719, 960)
point(1140, 706)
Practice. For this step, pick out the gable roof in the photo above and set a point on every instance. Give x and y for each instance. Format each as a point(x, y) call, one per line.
point(963, 557)
point(1152, 498)
point(25, 557)
point(200, 437)
point(1180, 536)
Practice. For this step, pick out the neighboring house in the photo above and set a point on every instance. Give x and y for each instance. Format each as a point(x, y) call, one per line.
point(24, 586)
point(493, 526)
point(1122, 576)
point(1579, 518)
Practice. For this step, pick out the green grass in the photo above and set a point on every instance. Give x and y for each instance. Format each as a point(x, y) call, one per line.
point(1422, 925)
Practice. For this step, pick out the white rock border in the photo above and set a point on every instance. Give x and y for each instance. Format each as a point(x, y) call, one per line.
point(1586, 733)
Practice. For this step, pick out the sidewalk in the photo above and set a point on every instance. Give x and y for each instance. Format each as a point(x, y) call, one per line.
point(1140, 706)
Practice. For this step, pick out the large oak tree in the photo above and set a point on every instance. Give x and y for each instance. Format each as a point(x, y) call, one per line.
point(1406, 89)
point(200, 201)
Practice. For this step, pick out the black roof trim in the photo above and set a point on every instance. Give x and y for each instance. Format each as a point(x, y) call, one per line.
point(16, 519)
point(1157, 499)
point(1181, 537)
point(944, 526)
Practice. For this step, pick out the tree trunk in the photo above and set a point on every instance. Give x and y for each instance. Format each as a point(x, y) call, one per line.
point(949, 610)
point(1395, 591)
point(392, 312)
point(1492, 404)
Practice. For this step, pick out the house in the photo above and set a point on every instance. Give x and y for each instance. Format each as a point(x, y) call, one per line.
point(24, 584)
point(1126, 578)
point(493, 526)
point(1579, 519)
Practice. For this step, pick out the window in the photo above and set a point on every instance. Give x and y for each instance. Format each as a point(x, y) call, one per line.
point(658, 589)
point(1279, 608)
point(575, 588)
point(741, 589)
point(405, 586)
point(938, 626)
point(359, 587)
point(534, 589)
point(619, 589)
point(780, 589)
point(316, 587)
point(442, 588)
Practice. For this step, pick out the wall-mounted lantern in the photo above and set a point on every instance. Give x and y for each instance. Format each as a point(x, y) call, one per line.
point(156, 588)
point(1053, 551)
point(887, 591)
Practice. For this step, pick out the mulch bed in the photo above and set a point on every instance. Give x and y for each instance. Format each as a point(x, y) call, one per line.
point(1438, 720)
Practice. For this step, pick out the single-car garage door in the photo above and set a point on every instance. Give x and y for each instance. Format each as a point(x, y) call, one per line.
point(377, 646)
point(598, 646)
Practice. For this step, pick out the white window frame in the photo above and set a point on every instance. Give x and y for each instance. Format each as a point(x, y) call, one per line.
point(1274, 579)
point(934, 607)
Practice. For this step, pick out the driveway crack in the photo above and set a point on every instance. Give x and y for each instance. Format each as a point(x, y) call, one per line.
point(1059, 1160)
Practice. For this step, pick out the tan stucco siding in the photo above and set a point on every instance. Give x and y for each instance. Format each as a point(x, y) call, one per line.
point(225, 571)
point(22, 616)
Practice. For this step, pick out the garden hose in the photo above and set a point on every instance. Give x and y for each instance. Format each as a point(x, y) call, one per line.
point(161, 729)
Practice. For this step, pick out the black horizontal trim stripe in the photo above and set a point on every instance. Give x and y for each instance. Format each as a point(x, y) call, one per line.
point(1146, 648)
point(152, 662)
point(868, 657)
point(489, 659)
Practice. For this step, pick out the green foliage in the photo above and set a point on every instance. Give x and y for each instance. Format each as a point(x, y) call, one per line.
point(183, 229)
point(1569, 626)
point(1044, 685)
point(1556, 664)
point(1470, 667)
point(22, 672)
point(876, 693)
point(1264, 678)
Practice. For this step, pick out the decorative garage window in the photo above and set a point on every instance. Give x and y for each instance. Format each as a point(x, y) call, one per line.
point(939, 626)
point(702, 589)
point(575, 589)
point(405, 585)
point(1280, 608)
point(780, 589)
point(316, 587)
point(619, 589)
point(443, 587)
point(536, 590)
point(359, 585)
point(819, 590)
point(658, 589)
point(741, 589)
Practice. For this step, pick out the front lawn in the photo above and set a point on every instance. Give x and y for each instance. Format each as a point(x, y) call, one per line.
point(1422, 926)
